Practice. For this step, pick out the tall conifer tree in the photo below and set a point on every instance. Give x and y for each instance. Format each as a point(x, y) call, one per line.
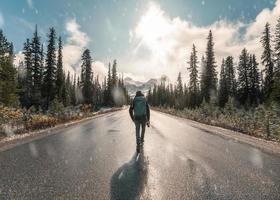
point(209, 78)
point(267, 61)
point(50, 69)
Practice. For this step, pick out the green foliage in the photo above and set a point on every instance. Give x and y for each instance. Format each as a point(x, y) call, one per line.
point(56, 107)
point(275, 96)
point(223, 93)
point(209, 74)
point(60, 77)
point(8, 81)
point(267, 61)
point(193, 83)
point(230, 77)
point(260, 122)
point(50, 72)
point(114, 79)
point(243, 77)
point(86, 83)
point(114, 93)
point(37, 70)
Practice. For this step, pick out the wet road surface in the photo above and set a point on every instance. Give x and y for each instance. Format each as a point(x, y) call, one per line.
point(97, 160)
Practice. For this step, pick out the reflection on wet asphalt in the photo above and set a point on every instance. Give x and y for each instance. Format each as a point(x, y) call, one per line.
point(97, 160)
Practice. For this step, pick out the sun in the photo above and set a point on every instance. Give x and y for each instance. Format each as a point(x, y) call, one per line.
point(152, 28)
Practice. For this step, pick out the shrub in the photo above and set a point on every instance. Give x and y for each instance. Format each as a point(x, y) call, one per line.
point(260, 122)
point(40, 121)
point(56, 107)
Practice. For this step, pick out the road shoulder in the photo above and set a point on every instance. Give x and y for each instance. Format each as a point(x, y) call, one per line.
point(265, 145)
point(16, 140)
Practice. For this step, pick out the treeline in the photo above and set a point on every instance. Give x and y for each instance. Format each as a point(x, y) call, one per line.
point(40, 80)
point(244, 84)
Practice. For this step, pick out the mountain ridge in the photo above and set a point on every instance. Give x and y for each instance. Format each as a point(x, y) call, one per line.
point(132, 85)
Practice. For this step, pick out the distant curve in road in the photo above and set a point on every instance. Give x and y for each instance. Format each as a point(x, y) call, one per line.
point(97, 160)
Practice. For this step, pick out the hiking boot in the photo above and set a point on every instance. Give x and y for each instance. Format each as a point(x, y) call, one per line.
point(138, 148)
point(142, 141)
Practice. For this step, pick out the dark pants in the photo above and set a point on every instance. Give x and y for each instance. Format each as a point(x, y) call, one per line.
point(140, 124)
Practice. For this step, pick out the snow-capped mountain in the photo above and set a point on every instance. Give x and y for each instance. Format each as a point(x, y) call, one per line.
point(132, 86)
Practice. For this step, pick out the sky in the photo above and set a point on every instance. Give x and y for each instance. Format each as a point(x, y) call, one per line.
point(148, 38)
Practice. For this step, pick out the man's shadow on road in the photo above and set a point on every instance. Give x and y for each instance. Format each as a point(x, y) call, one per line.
point(129, 181)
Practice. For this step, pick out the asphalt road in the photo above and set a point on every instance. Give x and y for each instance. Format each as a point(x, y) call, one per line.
point(97, 160)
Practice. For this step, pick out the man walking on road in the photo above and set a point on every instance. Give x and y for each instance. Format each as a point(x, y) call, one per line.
point(140, 114)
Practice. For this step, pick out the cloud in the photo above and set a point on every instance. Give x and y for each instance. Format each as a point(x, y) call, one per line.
point(160, 43)
point(1, 20)
point(76, 43)
point(76, 35)
point(99, 69)
point(266, 15)
point(30, 4)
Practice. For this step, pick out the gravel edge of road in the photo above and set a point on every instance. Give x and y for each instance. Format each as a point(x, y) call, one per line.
point(265, 145)
point(35, 135)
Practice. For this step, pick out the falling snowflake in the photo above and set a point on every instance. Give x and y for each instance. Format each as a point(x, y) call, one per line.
point(203, 3)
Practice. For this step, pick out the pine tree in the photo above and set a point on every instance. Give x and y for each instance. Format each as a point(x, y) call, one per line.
point(59, 72)
point(114, 74)
point(36, 69)
point(243, 77)
point(230, 76)
point(209, 77)
point(97, 92)
point(262, 86)
point(87, 77)
point(149, 96)
point(267, 61)
point(28, 79)
point(108, 88)
point(202, 75)
point(109, 78)
point(67, 88)
point(73, 92)
point(42, 64)
point(64, 90)
point(254, 81)
point(50, 71)
point(179, 89)
point(276, 79)
point(193, 83)
point(154, 97)
point(172, 95)
point(8, 74)
point(179, 92)
point(223, 93)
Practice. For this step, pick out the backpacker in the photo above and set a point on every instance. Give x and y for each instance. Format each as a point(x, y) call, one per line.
point(140, 111)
